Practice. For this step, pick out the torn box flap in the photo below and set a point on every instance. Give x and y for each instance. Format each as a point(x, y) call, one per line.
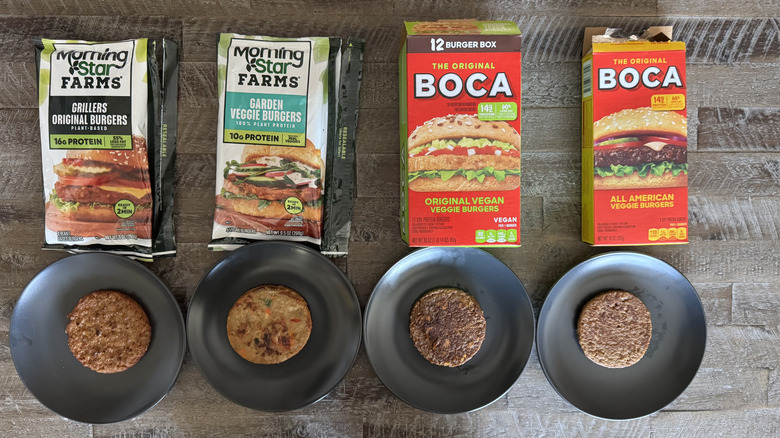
point(617, 35)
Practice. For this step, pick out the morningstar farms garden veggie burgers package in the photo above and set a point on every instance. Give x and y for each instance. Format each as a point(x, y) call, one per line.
point(277, 136)
point(634, 138)
point(460, 133)
point(108, 138)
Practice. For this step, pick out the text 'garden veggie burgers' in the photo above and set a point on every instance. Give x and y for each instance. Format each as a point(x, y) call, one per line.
point(463, 153)
point(640, 148)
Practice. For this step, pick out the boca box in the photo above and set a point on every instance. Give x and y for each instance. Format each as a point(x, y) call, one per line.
point(634, 138)
point(460, 133)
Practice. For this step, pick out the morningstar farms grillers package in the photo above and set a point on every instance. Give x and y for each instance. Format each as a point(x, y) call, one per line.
point(108, 138)
point(634, 138)
point(460, 133)
point(278, 131)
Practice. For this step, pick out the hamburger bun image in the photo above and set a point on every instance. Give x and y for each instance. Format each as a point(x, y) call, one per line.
point(462, 153)
point(614, 329)
point(269, 324)
point(90, 182)
point(447, 326)
point(636, 148)
point(260, 186)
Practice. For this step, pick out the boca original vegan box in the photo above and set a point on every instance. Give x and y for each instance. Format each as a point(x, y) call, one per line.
point(460, 133)
point(634, 138)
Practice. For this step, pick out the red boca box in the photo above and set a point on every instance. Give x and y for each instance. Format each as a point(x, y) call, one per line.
point(460, 133)
point(634, 138)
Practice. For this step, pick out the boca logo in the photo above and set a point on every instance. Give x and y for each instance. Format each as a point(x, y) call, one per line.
point(630, 77)
point(451, 85)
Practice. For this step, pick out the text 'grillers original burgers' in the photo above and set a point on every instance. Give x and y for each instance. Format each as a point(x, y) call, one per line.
point(102, 192)
point(635, 148)
point(464, 153)
point(272, 183)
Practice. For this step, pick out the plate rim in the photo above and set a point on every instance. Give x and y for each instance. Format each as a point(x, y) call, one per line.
point(526, 359)
point(291, 244)
point(179, 322)
point(545, 309)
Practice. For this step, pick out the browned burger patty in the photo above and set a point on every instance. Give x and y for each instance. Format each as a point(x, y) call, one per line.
point(305, 194)
point(639, 155)
point(447, 326)
point(461, 161)
point(108, 332)
point(89, 194)
point(269, 324)
point(614, 329)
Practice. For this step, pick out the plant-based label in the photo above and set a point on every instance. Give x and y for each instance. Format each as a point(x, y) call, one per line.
point(266, 92)
point(634, 141)
point(460, 87)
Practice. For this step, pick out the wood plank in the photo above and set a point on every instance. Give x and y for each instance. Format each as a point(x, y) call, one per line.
point(546, 38)
point(17, 33)
point(737, 217)
point(729, 346)
point(716, 298)
point(756, 304)
point(179, 8)
point(529, 422)
point(725, 388)
point(738, 129)
point(712, 389)
point(719, 8)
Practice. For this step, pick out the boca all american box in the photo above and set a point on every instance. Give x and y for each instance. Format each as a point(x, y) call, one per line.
point(460, 133)
point(634, 138)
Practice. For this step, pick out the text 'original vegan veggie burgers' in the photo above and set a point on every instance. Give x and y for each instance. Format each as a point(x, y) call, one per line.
point(460, 133)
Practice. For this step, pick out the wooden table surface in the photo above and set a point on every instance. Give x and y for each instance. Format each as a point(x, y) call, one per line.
point(733, 258)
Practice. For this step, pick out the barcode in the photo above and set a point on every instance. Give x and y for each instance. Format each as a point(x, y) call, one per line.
point(587, 79)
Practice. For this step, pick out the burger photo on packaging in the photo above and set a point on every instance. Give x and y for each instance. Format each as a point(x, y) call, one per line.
point(272, 184)
point(463, 153)
point(102, 192)
point(640, 147)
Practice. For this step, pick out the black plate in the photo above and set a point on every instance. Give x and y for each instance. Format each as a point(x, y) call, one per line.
point(672, 359)
point(47, 367)
point(317, 368)
point(504, 352)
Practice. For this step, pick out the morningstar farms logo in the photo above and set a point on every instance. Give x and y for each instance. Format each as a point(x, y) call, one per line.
point(451, 85)
point(270, 67)
point(93, 69)
point(630, 78)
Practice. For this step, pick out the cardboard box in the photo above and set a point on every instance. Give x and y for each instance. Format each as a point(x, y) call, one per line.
point(460, 133)
point(634, 138)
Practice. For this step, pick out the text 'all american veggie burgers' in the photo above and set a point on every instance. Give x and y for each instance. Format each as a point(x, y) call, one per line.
point(640, 147)
point(463, 153)
point(271, 185)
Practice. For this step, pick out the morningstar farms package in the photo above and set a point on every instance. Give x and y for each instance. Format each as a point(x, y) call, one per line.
point(108, 130)
point(277, 129)
point(460, 133)
point(634, 138)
